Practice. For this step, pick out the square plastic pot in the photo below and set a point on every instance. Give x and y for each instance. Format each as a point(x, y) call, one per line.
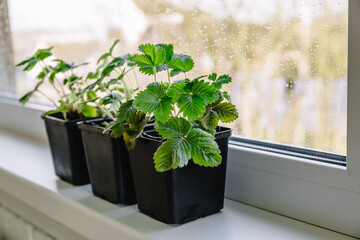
point(109, 164)
point(67, 149)
point(183, 194)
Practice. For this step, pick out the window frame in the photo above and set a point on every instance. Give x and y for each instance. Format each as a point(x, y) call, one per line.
point(323, 194)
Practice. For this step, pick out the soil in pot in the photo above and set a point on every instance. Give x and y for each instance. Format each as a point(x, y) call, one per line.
point(67, 149)
point(180, 195)
point(109, 164)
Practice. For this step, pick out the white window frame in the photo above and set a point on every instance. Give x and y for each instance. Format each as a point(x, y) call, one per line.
point(323, 194)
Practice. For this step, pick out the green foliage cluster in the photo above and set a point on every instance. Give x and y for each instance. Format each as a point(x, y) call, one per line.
point(186, 111)
point(103, 91)
point(68, 85)
point(113, 95)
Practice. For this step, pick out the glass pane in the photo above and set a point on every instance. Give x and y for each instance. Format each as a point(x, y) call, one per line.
point(287, 58)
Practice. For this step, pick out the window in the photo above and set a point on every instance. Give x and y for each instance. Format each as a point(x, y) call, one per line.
point(6, 63)
point(321, 193)
point(287, 60)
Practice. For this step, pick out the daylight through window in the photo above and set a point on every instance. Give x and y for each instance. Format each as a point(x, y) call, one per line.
point(288, 59)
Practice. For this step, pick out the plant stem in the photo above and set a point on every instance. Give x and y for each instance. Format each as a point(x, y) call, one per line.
point(130, 82)
point(127, 91)
point(154, 69)
point(168, 74)
point(136, 79)
point(48, 98)
point(57, 90)
point(185, 75)
point(43, 68)
point(61, 87)
point(126, 85)
point(107, 112)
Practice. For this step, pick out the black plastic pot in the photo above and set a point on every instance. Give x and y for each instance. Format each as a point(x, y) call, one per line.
point(67, 149)
point(183, 194)
point(109, 164)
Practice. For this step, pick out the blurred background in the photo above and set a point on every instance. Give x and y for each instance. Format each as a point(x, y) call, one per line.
point(288, 59)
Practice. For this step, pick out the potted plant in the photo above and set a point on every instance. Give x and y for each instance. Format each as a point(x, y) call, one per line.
point(106, 141)
point(188, 148)
point(61, 122)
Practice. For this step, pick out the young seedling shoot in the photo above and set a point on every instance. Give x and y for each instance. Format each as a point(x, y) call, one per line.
point(112, 93)
point(63, 80)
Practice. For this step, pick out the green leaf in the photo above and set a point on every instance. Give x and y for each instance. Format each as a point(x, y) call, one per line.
point(189, 64)
point(131, 63)
point(212, 76)
point(117, 130)
point(126, 111)
point(93, 85)
point(74, 79)
point(181, 65)
point(136, 124)
point(174, 127)
point(200, 77)
point(119, 89)
point(154, 100)
point(209, 120)
point(192, 97)
point(134, 129)
point(148, 49)
point(226, 96)
point(184, 143)
point(113, 45)
point(91, 95)
point(24, 62)
point(226, 112)
point(169, 51)
point(204, 150)
point(129, 141)
point(41, 54)
point(44, 72)
point(148, 70)
point(111, 98)
point(181, 56)
point(24, 99)
point(107, 70)
point(63, 66)
point(156, 54)
point(31, 64)
point(175, 72)
point(52, 112)
point(52, 76)
point(159, 56)
point(118, 61)
point(110, 126)
point(173, 153)
point(125, 57)
point(103, 57)
point(88, 111)
point(218, 82)
point(142, 60)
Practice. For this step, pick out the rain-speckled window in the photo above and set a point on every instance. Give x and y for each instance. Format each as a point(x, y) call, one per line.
point(287, 58)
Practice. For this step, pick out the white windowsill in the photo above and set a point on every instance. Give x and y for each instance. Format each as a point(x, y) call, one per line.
point(27, 178)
